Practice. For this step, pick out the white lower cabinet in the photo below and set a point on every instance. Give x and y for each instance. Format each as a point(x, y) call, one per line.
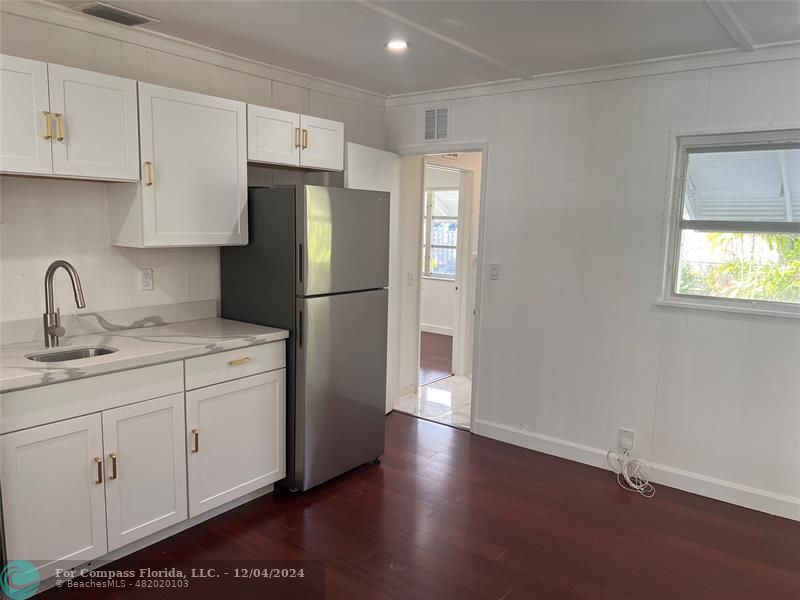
point(235, 434)
point(145, 465)
point(53, 497)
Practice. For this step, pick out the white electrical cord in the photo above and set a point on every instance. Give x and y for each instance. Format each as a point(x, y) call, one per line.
point(633, 474)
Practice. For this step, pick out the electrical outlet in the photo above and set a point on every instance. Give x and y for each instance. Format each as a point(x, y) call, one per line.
point(626, 438)
point(146, 280)
point(494, 270)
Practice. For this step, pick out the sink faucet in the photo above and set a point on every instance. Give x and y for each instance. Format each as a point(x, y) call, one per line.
point(52, 316)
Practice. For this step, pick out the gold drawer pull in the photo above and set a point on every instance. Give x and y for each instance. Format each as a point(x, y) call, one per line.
point(60, 124)
point(113, 458)
point(195, 440)
point(239, 361)
point(148, 173)
point(48, 126)
point(99, 462)
point(296, 137)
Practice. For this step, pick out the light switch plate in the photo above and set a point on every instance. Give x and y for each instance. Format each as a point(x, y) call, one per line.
point(494, 270)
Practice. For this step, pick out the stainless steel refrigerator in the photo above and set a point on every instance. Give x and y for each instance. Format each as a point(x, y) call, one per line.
point(318, 265)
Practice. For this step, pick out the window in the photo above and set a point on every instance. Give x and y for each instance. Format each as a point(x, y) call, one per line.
point(440, 233)
point(736, 225)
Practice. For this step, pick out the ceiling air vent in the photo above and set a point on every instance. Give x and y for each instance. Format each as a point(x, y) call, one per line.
point(101, 10)
point(436, 124)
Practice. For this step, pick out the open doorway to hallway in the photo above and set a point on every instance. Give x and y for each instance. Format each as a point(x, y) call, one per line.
point(449, 227)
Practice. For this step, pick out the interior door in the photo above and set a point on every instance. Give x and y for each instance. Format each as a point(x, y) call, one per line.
point(145, 459)
point(53, 501)
point(322, 143)
point(98, 117)
point(343, 238)
point(373, 169)
point(341, 383)
point(195, 190)
point(273, 136)
point(237, 440)
point(25, 120)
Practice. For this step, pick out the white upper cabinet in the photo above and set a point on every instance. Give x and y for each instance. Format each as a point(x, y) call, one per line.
point(194, 173)
point(96, 131)
point(322, 143)
point(273, 136)
point(25, 120)
point(279, 137)
point(85, 125)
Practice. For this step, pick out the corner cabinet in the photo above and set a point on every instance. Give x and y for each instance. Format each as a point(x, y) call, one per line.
point(193, 190)
point(65, 122)
point(285, 138)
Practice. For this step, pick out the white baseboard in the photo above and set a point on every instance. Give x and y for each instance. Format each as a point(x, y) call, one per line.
point(430, 328)
point(718, 489)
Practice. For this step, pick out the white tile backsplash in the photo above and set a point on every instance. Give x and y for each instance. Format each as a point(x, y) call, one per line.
point(42, 220)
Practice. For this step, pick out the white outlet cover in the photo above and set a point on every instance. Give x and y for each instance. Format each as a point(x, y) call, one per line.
point(146, 280)
point(626, 438)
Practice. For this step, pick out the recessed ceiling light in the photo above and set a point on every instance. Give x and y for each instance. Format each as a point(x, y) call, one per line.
point(397, 45)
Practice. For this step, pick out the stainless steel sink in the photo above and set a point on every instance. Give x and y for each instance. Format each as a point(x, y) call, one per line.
point(70, 354)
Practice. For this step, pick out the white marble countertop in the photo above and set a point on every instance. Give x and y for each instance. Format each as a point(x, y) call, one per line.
point(135, 348)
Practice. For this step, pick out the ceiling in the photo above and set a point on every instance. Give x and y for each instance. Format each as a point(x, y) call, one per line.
point(455, 43)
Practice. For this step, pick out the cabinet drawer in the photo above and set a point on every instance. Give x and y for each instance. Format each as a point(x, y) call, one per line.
point(233, 364)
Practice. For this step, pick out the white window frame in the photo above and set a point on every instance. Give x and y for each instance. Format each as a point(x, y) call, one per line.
point(428, 220)
point(720, 141)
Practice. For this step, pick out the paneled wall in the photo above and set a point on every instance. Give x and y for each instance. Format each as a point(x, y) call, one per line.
point(571, 345)
point(41, 220)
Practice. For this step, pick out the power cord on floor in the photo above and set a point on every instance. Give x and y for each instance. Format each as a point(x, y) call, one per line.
point(633, 474)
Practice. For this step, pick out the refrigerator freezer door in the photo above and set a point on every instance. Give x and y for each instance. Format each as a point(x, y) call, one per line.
point(341, 384)
point(343, 240)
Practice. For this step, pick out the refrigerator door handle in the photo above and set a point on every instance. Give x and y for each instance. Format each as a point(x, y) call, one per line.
point(300, 262)
point(300, 329)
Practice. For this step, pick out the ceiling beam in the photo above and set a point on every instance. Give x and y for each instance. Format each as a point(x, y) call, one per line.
point(723, 12)
point(393, 16)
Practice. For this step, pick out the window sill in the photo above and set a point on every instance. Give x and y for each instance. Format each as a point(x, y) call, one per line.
point(434, 278)
point(741, 307)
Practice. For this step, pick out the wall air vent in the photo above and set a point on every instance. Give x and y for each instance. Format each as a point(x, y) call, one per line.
point(101, 10)
point(436, 124)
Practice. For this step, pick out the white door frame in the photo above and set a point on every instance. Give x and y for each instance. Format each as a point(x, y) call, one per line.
point(481, 146)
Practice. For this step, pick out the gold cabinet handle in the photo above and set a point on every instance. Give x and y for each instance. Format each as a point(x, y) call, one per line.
point(195, 440)
point(113, 458)
point(239, 361)
point(60, 125)
point(48, 126)
point(99, 462)
point(148, 172)
point(296, 137)
point(305, 139)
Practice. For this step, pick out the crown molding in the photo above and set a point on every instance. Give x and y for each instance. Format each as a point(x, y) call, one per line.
point(46, 12)
point(661, 66)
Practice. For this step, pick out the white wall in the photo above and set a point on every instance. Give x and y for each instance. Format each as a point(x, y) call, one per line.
point(47, 219)
point(571, 344)
point(437, 306)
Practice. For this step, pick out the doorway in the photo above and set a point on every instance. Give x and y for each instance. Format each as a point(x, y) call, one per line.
point(448, 249)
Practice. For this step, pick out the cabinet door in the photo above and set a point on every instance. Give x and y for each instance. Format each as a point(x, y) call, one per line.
point(25, 119)
point(194, 155)
point(322, 143)
point(145, 460)
point(273, 136)
point(96, 124)
point(236, 433)
point(53, 503)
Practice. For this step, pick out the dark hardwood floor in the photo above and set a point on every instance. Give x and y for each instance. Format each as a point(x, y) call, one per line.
point(452, 515)
point(435, 357)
